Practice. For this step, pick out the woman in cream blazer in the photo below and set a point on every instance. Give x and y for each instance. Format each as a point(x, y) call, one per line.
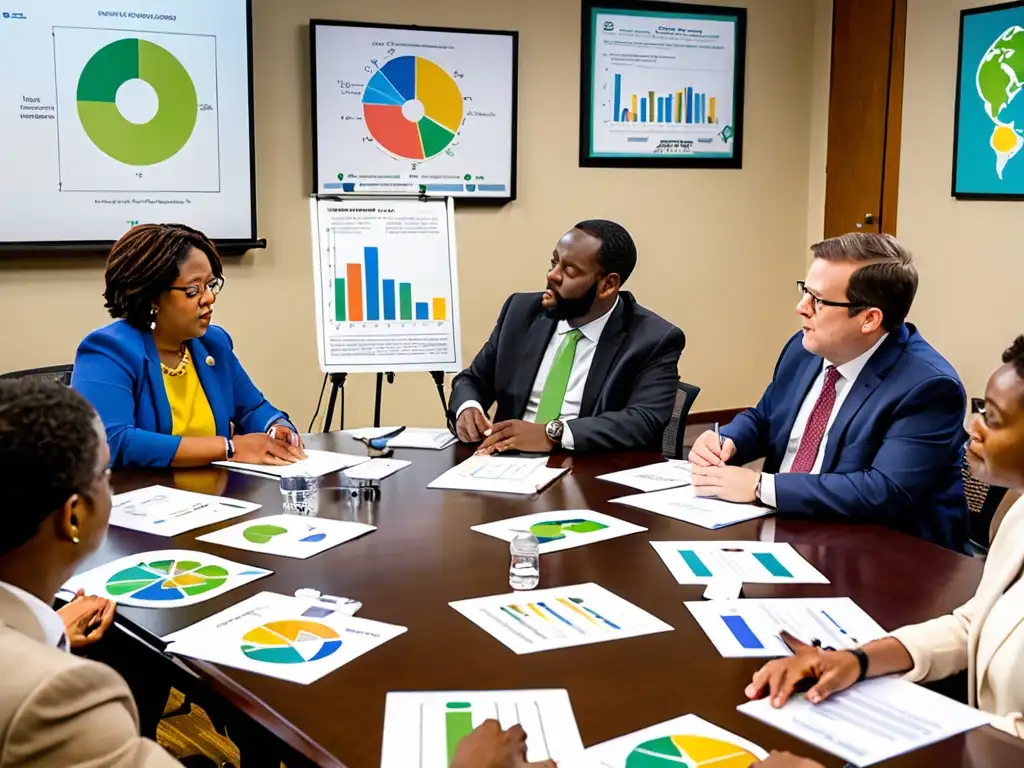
point(985, 636)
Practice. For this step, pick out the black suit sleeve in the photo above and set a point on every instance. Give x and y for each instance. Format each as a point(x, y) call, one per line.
point(641, 423)
point(477, 381)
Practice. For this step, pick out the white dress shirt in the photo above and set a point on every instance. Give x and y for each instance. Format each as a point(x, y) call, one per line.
point(581, 361)
point(51, 623)
point(848, 373)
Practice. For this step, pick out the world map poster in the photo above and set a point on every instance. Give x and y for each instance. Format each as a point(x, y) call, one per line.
point(989, 123)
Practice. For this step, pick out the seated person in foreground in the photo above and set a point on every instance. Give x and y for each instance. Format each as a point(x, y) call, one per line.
point(55, 708)
point(164, 380)
point(863, 419)
point(581, 366)
point(985, 635)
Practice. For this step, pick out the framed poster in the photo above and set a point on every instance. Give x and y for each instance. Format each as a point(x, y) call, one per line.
point(403, 110)
point(662, 85)
point(988, 129)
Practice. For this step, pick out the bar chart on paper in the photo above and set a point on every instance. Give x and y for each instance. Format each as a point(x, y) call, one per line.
point(386, 286)
point(685, 106)
point(423, 729)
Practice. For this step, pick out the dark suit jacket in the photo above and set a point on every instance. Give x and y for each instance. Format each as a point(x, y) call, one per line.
point(893, 453)
point(630, 390)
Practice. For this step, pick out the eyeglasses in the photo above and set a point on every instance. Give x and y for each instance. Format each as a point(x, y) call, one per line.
point(192, 291)
point(818, 302)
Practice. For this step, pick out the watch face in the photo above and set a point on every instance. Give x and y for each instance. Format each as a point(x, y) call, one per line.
point(554, 430)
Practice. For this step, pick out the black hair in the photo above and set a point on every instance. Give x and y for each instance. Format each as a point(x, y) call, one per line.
point(49, 451)
point(145, 262)
point(1014, 354)
point(618, 251)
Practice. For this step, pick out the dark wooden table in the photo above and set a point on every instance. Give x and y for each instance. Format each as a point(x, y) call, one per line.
point(424, 555)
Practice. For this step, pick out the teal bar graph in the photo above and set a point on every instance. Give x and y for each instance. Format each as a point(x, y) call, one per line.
point(772, 565)
point(694, 563)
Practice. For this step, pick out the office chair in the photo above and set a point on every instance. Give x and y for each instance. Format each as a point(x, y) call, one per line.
point(672, 441)
point(61, 373)
point(982, 502)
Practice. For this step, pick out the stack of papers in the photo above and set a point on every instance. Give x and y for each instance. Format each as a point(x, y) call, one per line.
point(410, 437)
point(316, 464)
point(653, 477)
point(166, 511)
point(873, 721)
point(499, 474)
point(683, 504)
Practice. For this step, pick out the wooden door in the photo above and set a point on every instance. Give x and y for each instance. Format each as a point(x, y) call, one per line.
point(864, 116)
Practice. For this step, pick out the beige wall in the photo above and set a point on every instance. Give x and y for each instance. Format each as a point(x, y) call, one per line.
point(719, 250)
point(971, 261)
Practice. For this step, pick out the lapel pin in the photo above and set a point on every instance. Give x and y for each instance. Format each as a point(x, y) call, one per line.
point(209, 360)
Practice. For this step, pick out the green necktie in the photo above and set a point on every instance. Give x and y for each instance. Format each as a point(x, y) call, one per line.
point(558, 378)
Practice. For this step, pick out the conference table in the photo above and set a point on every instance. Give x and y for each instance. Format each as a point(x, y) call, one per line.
point(423, 555)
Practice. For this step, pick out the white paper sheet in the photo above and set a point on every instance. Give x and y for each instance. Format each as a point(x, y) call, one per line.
point(563, 529)
point(751, 562)
point(750, 628)
point(653, 477)
point(683, 504)
point(166, 578)
point(873, 721)
point(562, 617)
point(423, 728)
point(289, 638)
point(499, 474)
point(288, 535)
point(165, 511)
point(316, 464)
point(410, 437)
point(684, 742)
point(376, 469)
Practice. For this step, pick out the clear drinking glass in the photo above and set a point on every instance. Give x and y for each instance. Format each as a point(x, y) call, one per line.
point(524, 569)
point(300, 494)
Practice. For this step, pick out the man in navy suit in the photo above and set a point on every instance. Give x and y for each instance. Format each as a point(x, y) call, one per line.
point(863, 419)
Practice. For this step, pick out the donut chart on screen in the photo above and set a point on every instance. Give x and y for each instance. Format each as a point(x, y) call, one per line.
point(137, 144)
point(412, 108)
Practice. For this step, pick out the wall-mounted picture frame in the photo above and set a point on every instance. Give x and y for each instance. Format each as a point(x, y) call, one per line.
point(661, 85)
point(988, 122)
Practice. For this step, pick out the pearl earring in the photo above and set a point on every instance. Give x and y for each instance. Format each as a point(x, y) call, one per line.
point(152, 314)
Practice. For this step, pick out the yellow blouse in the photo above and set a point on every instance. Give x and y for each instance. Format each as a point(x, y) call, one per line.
point(191, 414)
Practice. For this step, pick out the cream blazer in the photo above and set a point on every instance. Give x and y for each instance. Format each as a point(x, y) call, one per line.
point(985, 635)
point(60, 710)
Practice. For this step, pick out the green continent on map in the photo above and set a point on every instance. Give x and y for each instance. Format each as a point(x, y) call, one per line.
point(997, 86)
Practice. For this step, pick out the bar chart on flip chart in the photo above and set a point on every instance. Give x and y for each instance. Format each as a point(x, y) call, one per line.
point(386, 284)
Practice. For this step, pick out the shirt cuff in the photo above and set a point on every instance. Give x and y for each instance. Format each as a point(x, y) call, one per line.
point(469, 404)
point(768, 490)
point(567, 441)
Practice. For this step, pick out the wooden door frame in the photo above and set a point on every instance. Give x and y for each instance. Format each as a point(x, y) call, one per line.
point(894, 119)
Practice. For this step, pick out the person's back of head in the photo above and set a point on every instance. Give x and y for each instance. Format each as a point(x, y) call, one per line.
point(885, 277)
point(53, 458)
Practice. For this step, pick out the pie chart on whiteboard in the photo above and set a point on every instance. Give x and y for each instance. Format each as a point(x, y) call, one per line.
point(412, 108)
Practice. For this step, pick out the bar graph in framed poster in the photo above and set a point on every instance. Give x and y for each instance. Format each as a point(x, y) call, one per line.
point(662, 84)
point(386, 285)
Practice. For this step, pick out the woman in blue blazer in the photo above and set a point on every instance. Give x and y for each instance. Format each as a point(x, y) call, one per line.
point(164, 380)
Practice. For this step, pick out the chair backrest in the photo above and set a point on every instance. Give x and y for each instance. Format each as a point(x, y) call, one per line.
point(672, 441)
point(61, 373)
point(982, 502)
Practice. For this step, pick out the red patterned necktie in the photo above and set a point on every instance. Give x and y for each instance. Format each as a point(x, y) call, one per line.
point(807, 453)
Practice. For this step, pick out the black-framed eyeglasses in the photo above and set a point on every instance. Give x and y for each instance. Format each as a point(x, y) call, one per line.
point(192, 291)
point(817, 301)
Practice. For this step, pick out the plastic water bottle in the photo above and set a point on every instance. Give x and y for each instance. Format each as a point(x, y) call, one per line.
point(300, 494)
point(524, 571)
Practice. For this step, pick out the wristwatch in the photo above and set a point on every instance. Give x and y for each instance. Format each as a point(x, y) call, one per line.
point(229, 449)
point(862, 659)
point(554, 430)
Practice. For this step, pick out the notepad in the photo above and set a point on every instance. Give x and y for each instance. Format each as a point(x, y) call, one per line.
point(499, 474)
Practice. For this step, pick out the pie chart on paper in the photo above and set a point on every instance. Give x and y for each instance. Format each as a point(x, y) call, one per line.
point(412, 108)
point(163, 580)
point(689, 751)
point(292, 641)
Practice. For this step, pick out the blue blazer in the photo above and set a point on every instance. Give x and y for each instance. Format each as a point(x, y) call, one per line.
point(893, 453)
point(117, 369)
